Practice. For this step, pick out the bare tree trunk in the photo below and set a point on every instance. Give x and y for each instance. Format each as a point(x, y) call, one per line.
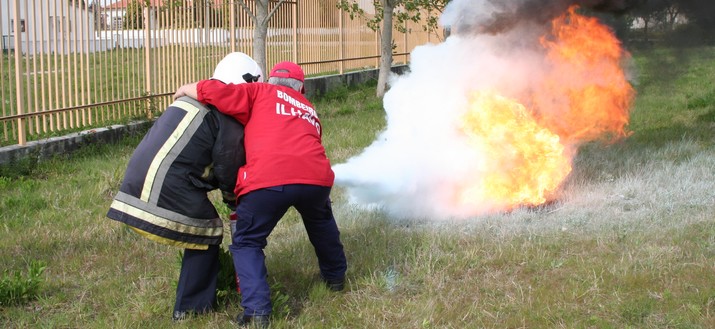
point(260, 34)
point(385, 48)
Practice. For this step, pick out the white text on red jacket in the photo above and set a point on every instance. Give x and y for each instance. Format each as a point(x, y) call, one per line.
point(297, 109)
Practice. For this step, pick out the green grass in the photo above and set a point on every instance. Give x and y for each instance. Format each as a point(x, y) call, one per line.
point(18, 288)
point(630, 243)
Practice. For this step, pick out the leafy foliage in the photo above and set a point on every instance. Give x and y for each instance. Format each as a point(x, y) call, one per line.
point(226, 291)
point(389, 13)
point(411, 10)
point(226, 283)
point(16, 288)
point(134, 17)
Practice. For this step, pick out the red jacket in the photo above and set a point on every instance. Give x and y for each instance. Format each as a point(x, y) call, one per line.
point(282, 135)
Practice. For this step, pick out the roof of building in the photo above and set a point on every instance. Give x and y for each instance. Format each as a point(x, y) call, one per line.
point(123, 4)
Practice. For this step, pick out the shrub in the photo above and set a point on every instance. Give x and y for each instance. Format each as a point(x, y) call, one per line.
point(16, 288)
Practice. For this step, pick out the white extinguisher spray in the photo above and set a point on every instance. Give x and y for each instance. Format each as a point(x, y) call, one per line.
point(232, 222)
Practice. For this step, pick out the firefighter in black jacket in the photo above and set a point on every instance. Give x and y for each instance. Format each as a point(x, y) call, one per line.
point(189, 151)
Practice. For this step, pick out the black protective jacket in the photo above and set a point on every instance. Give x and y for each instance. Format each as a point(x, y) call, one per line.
point(189, 151)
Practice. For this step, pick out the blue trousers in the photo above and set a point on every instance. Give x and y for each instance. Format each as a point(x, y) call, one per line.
point(196, 290)
point(258, 213)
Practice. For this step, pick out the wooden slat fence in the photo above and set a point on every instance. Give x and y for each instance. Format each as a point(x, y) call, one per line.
point(69, 66)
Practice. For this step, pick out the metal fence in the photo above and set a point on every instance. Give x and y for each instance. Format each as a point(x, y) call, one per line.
point(68, 65)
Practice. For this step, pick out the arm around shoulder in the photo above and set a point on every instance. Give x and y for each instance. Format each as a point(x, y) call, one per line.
point(187, 90)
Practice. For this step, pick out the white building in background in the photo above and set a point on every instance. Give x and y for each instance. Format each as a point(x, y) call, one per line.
point(115, 12)
point(48, 26)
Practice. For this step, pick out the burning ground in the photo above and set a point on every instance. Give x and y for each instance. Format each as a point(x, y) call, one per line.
point(492, 118)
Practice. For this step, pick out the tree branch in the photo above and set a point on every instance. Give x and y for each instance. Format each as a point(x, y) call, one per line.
point(248, 10)
point(280, 2)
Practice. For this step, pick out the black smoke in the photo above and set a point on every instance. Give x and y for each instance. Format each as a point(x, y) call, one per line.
point(506, 15)
point(502, 16)
point(701, 14)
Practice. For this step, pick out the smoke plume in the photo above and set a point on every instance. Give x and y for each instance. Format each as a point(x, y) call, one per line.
point(497, 16)
point(416, 167)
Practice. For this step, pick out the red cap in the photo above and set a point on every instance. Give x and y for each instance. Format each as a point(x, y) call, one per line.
point(288, 70)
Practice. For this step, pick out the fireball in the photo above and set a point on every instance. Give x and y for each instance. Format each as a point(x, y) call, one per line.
point(583, 97)
point(485, 123)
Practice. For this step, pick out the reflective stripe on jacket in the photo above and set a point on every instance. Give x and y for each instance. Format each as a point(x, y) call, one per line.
point(164, 191)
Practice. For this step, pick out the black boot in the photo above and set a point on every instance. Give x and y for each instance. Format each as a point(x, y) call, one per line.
point(252, 321)
point(334, 285)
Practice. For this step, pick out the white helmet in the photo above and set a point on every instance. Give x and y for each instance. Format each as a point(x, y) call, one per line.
point(237, 68)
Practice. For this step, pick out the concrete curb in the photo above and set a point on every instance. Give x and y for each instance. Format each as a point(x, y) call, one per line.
point(36, 151)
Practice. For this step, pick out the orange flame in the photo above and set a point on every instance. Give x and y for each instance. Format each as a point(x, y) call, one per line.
point(527, 149)
point(525, 162)
point(586, 95)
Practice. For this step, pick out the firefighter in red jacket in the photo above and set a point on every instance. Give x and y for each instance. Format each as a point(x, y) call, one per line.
point(286, 166)
point(188, 152)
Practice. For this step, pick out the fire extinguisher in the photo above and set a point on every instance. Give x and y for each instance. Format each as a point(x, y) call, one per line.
point(232, 222)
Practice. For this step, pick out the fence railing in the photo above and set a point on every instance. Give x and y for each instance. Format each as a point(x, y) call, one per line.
point(69, 66)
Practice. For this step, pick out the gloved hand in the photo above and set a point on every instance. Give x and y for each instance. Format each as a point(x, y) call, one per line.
point(229, 199)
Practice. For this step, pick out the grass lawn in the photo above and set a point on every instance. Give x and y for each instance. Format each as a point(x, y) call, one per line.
point(631, 244)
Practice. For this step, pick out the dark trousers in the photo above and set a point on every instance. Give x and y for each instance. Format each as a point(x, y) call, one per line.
point(258, 213)
point(196, 290)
